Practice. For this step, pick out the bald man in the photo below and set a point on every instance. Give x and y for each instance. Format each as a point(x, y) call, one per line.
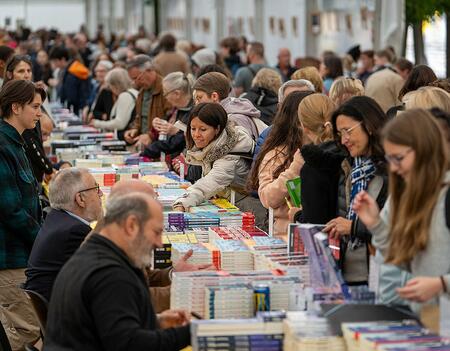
point(284, 64)
point(46, 127)
point(159, 280)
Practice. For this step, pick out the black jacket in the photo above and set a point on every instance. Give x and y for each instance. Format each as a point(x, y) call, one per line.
point(36, 154)
point(320, 180)
point(266, 101)
point(103, 104)
point(102, 302)
point(174, 144)
point(60, 236)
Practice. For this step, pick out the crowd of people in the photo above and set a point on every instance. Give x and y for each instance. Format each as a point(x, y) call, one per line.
point(368, 134)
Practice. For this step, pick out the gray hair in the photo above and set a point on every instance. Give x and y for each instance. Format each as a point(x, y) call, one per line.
point(179, 81)
point(142, 62)
point(120, 207)
point(64, 186)
point(300, 83)
point(119, 78)
point(108, 65)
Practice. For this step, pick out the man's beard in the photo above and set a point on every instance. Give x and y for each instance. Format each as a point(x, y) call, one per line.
point(141, 251)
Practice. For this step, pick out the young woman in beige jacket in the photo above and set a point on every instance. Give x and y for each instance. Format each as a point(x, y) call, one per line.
point(279, 160)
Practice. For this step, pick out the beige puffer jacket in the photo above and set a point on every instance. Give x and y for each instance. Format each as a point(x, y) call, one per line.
point(220, 171)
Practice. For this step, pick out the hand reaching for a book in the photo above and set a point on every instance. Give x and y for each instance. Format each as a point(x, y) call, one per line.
point(184, 266)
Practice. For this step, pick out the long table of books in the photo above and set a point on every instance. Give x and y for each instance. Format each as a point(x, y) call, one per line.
point(264, 293)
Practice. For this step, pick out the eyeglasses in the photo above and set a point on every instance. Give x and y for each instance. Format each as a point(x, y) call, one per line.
point(347, 132)
point(96, 187)
point(397, 159)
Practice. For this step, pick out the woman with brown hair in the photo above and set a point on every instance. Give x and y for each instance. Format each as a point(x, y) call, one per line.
point(279, 160)
point(357, 125)
point(412, 231)
point(218, 147)
point(20, 67)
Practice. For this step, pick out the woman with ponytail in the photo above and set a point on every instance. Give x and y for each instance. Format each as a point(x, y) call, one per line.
point(323, 158)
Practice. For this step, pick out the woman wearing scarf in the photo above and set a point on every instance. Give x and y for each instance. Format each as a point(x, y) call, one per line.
point(356, 125)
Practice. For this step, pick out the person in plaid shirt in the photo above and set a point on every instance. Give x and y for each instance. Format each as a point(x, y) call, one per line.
point(20, 211)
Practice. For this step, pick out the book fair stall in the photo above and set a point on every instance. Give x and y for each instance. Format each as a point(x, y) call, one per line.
point(266, 293)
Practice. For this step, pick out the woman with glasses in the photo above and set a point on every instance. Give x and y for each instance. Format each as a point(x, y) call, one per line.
point(20, 221)
point(413, 229)
point(357, 125)
point(177, 88)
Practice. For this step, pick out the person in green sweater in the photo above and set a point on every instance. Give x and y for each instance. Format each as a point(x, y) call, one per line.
point(20, 210)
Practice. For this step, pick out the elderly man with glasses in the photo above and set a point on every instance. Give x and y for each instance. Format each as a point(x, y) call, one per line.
point(75, 200)
point(150, 103)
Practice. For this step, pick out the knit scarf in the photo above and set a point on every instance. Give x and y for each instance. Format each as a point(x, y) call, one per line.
point(363, 172)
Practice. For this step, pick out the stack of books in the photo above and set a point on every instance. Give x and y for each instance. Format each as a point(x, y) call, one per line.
point(111, 160)
point(167, 196)
point(235, 233)
point(388, 335)
point(234, 255)
point(201, 234)
point(229, 301)
point(126, 172)
point(306, 332)
point(88, 163)
point(105, 176)
point(188, 288)
point(238, 334)
point(162, 256)
point(201, 254)
point(188, 221)
point(278, 260)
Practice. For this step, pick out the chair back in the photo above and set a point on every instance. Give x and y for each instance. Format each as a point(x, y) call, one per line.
point(40, 306)
point(4, 342)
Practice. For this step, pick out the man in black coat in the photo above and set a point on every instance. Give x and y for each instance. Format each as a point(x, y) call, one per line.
point(101, 299)
point(76, 201)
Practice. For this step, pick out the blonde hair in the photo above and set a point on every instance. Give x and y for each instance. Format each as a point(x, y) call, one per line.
point(314, 113)
point(267, 78)
point(118, 78)
point(179, 81)
point(413, 203)
point(312, 74)
point(427, 97)
point(344, 88)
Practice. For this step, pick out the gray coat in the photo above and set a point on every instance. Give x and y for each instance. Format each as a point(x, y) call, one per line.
point(434, 261)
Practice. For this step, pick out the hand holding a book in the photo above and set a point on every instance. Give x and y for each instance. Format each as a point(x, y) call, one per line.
point(173, 318)
point(367, 209)
point(184, 266)
point(292, 212)
point(338, 227)
point(421, 289)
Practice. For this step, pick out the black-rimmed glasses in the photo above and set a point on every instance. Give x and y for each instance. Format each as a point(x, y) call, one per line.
point(97, 188)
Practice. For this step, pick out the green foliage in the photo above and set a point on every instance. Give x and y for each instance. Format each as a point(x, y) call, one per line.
point(424, 10)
